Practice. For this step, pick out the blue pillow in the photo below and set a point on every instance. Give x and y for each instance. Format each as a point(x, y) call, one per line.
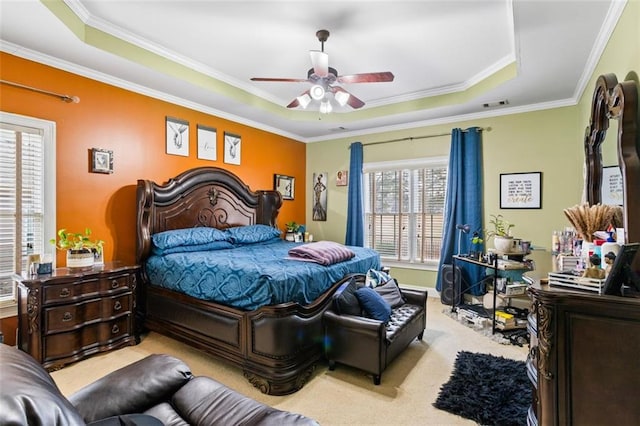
point(214, 245)
point(252, 234)
point(187, 237)
point(373, 304)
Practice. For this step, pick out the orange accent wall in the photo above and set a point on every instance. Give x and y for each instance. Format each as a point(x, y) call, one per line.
point(133, 126)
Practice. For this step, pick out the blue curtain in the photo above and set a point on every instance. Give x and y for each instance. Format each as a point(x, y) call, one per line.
point(355, 208)
point(463, 206)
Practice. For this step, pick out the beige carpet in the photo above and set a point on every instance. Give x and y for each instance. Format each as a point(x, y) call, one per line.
point(344, 396)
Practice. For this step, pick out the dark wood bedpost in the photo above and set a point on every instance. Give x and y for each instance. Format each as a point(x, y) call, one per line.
point(272, 199)
point(144, 200)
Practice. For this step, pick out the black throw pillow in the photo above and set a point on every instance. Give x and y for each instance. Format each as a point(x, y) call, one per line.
point(346, 302)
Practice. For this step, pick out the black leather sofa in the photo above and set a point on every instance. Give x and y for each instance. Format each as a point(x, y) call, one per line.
point(158, 389)
point(354, 339)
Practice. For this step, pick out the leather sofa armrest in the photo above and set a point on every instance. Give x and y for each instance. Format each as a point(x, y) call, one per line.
point(204, 401)
point(354, 323)
point(415, 297)
point(132, 389)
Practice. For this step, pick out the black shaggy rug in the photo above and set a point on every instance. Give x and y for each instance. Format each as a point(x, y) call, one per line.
point(488, 389)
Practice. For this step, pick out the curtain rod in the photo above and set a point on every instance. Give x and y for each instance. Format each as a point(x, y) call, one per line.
point(410, 138)
point(65, 98)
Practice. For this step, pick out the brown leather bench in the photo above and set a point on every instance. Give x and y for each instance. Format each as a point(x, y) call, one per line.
point(353, 339)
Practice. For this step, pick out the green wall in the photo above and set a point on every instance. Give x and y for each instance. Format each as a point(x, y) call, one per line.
point(549, 141)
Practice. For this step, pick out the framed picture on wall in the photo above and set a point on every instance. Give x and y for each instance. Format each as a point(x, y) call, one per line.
point(207, 139)
point(319, 196)
point(101, 161)
point(520, 190)
point(232, 145)
point(177, 136)
point(342, 178)
point(285, 185)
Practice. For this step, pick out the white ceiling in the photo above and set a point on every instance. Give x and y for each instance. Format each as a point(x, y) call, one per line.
point(448, 57)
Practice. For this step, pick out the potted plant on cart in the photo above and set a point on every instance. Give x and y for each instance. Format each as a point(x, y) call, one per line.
point(477, 245)
point(501, 233)
point(80, 247)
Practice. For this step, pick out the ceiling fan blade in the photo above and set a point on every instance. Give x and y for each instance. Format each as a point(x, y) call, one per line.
point(294, 104)
point(352, 101)
point(286, 80)
point(320, 62)
point(370, 77)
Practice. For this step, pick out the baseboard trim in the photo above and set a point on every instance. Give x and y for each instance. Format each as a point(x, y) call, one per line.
point(431, 291)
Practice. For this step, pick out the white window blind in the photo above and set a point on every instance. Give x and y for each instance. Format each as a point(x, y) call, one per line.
point(24, 228)
point(404, 209)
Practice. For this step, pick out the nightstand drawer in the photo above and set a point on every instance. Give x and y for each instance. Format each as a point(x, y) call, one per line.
point(116, 283)
point(69, 292)
point(68, 317)
point(86, 339)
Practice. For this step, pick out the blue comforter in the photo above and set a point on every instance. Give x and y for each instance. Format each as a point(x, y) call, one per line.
point(253, 275)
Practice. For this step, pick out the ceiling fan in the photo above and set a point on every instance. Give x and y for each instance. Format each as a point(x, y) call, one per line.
point(324, 81)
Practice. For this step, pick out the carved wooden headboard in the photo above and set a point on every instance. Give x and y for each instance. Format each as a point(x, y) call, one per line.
point(204, 196)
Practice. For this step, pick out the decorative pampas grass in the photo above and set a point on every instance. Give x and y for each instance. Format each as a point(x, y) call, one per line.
point(588, 219)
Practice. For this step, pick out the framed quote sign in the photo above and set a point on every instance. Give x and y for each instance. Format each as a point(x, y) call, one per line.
point(521, 190)
point(611, 190)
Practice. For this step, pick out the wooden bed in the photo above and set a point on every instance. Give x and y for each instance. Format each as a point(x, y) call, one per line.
point(276, 346)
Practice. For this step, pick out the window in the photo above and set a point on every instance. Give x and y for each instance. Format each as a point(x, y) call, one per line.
point(27, 195)
point(404, 209)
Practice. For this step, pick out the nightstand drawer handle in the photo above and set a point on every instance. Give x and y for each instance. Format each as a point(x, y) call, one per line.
point(65, 292)
point(67, 317)
point(117, 306)
point(115, 329)
point(115, 284)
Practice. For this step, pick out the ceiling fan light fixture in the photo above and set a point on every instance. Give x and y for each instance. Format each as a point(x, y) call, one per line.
point(304, 100)
point(325, 107)
point(341, 98)
point(317, 92)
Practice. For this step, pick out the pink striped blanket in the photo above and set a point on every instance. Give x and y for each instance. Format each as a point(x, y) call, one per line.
point(322, 252)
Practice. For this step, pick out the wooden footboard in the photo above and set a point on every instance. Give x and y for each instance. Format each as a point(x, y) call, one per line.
point(277, 346)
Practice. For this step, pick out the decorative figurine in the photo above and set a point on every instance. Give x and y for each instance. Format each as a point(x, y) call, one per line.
point(609, 258)
point(594, 271)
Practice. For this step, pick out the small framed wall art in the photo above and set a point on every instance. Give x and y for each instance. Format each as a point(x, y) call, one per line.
point(207, 138)
point(232, 145)
point(285, 185)
point(177, 136)
point(521, 190)
point(342, 178)
point(101, 161)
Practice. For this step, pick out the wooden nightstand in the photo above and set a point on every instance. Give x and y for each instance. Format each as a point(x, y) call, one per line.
point(70, 314)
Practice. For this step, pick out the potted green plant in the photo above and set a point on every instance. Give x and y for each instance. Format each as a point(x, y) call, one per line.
point(501, 233)
point(476, 245)
point(80, 247)
point(292, 228)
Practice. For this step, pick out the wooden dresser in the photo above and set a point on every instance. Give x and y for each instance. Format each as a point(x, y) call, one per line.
point(70, 314)
point(583, 358)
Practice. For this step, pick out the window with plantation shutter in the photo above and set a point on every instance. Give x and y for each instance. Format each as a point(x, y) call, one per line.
point(27, 195)
point(404, 209)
